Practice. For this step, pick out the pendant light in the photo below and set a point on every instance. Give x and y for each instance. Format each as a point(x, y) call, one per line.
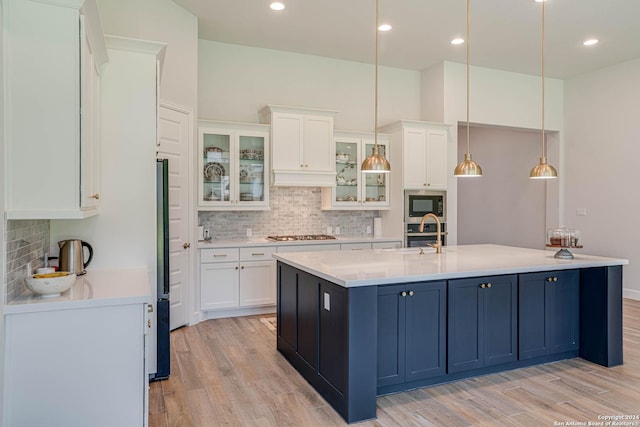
point(543, 170)
point(376, 163)
point(467, 168)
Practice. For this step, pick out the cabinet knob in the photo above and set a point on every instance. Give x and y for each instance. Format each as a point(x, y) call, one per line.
point(242, 268)
point(236, 267)
point(555, 279)
point(403, 294)
point(96, 196)
point(186, 245)
point(549, 279)
point(424, 185)
point(411, 293)
point(488, 285)
point(482, 285)
point(428, 184)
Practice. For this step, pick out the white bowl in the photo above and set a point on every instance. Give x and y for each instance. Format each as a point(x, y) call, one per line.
point(50, 286)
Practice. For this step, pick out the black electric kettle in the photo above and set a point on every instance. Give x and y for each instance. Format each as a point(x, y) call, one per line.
point(71, 256)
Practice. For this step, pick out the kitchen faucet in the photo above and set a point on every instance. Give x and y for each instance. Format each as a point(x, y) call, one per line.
point(438, 244)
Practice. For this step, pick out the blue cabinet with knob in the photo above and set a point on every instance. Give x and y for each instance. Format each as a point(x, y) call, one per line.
point(548, 313)
point(411, 332)
point(482, 322)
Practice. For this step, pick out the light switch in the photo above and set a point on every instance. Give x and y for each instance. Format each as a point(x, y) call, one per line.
point(327, 302)
point(581, 212)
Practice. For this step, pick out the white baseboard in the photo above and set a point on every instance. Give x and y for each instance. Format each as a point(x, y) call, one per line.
point(631, 294)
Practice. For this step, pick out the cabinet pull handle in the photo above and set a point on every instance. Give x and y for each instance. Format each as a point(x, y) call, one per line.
point(488, 285)
point(260, 254)
point(410, 293)
point(403, 294)
point(96, 196)
point(482, 285)
point(555, 279)
point(219, 255)
point(356, 249)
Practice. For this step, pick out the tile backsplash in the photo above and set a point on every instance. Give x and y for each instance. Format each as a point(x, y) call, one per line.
point(294, 210)
point(27, 241)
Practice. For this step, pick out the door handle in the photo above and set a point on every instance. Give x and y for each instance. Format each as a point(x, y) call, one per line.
point(186, 245)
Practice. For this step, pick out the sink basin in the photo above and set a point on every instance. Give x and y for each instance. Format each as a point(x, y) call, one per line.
point(411, 250)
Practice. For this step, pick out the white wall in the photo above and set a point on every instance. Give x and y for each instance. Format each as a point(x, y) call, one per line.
point(235, 82)
point(602, 147)
point(163, 21)
point(2, 210)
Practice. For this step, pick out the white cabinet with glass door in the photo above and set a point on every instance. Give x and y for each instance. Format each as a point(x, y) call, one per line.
point(233, 167)
point(353, 189)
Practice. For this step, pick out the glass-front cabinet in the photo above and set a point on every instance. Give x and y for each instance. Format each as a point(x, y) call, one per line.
point(353, 189)
point(233, 170)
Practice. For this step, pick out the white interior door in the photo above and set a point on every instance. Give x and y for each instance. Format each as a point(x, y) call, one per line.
point(175, 138)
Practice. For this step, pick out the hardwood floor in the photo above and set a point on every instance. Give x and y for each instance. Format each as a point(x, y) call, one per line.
point(227, 372)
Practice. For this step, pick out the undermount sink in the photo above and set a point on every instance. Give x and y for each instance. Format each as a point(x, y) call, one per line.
point(425, 250)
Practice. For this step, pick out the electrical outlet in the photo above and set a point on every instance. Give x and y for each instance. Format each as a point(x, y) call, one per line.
point(249, 232)
point(327, 302)
point(329, 230)
point(368, 229)
point(581, 212)
point(337, 230)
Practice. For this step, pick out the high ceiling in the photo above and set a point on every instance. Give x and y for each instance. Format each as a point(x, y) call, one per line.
point(505, 34)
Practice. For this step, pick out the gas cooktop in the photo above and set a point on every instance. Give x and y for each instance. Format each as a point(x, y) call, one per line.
point(300, 237)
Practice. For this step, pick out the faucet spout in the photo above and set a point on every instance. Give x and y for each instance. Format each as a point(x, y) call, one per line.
point(438, 244)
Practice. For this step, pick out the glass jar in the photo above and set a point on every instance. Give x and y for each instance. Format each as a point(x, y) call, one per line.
point(563, 236)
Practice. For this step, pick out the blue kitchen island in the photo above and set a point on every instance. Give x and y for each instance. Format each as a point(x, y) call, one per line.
point(361, 324)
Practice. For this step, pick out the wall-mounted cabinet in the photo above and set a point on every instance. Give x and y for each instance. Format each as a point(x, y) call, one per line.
point(353, 190)
point(233, 166)
point(54, 50)
point(303, 148)
point(424, 153)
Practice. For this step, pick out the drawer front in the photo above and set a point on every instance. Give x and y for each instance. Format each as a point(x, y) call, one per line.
point(387, 245)
point(257, 253)
point(219, 255)
point(355, 246)
point(310, 247)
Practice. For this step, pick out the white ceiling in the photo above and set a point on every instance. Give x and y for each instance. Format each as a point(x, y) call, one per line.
point(505, 34)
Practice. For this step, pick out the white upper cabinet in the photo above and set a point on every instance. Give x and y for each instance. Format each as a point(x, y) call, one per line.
point(424, 154)
point(233, 166)
point(53, 54)
point(353, 190)
point(302, 145)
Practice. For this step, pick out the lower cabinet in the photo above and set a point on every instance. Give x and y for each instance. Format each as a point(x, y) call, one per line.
point(482, 322)
point(411, 332)
point(549, 321)
point(237, 277)
point(76, 367)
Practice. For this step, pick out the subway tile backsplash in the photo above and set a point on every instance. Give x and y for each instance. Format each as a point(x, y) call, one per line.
point(294, 210)
point(27, 241)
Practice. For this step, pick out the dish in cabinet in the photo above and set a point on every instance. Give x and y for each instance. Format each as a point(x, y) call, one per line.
point(213, 171)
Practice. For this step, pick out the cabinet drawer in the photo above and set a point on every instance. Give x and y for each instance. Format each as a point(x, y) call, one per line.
point(219, 255)
point(386, 245)
point(355, 246)
point(257, 253)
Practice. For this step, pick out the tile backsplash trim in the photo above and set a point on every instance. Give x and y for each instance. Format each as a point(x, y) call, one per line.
point(294, 210)
point(27, 241)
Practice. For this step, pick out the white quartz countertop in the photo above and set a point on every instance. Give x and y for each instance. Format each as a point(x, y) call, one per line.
point(382, 266)
point(262, 241)
point(97, 288)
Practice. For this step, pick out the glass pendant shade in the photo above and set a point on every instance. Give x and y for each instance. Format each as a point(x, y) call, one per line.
point(543, 170)
point(375, 163)
point(467, 168)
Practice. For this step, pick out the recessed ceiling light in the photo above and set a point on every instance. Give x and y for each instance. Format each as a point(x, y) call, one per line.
point(457, 41)
point(384, 27)
point(277, 6)
point(590, 42)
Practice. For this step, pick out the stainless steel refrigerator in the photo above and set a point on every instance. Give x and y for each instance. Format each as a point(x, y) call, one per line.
point(162, 304)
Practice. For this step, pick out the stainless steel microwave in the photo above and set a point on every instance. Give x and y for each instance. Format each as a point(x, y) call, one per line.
point(419, 203)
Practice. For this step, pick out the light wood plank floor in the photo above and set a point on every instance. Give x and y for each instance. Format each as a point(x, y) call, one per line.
point(227, 372)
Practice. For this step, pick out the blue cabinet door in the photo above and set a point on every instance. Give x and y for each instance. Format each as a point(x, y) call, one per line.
point(333, 339)
point(482, 319)
point(391, 335)
point(308, 290)
point(411, 332)
point(549, 313)
point(426, 324)
point(287, 305)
